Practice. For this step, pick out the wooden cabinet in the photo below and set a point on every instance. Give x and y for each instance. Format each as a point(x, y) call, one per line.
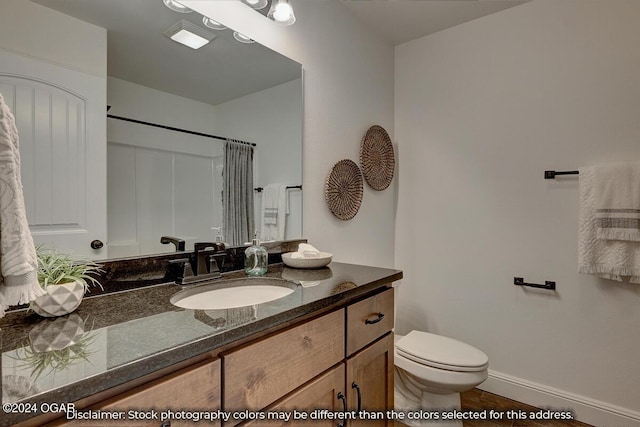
point(193, 389)
point(340, 362)
point(370, 382)
point(260, 373)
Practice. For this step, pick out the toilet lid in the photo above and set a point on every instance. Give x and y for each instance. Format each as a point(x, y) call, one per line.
point(441, 352)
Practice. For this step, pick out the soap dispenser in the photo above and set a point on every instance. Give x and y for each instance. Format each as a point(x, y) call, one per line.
point(255, 259)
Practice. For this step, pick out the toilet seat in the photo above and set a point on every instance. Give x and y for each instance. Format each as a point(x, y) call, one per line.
point(441, 352)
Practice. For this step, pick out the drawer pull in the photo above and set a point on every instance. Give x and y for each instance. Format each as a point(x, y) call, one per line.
point(378, 318)
point(342, 397)
point(357, 387)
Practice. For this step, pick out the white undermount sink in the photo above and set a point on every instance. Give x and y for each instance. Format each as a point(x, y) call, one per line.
point(233, 293)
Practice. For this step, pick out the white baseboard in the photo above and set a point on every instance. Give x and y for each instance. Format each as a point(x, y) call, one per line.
point(584, 409)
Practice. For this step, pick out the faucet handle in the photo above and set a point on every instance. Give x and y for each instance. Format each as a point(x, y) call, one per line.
point(185, 265)
point(199, 246)
point(216, 262)
point(213, 264)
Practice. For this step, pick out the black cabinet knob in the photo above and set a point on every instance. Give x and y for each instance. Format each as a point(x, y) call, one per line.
point(96, 244)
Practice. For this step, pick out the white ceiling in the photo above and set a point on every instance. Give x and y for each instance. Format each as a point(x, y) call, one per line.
point(223, 70)
point(402, 20)
point(138, 52)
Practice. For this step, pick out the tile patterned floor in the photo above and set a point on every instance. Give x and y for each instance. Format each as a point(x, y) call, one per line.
point(478, 400)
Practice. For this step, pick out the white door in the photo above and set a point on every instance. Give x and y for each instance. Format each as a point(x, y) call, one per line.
point(61, 120)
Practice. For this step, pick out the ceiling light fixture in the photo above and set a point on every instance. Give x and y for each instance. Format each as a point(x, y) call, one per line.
point(189, 34)
point(282, 12)
point(176, 7)
point(256, 4)
point(214, 25)
point(242, 38)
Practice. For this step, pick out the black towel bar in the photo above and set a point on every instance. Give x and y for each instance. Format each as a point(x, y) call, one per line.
point(519, 281)
point(553, 174)
point(289, 187)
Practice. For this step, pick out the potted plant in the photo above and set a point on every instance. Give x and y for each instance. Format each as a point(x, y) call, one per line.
point(64, 279)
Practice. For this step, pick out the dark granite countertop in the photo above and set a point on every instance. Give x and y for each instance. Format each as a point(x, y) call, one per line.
point(116, 338)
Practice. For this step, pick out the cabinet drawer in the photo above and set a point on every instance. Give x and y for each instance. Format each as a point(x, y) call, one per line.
point(369, 319)
point(261, 373)
point(192, 389)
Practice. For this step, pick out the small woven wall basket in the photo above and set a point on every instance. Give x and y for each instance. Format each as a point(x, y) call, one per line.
point(343, 189)
point(376, 158)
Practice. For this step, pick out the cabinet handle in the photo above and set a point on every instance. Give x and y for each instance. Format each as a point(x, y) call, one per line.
point(342, 397)
point(379, 317)
point(357, 387)
point(166, 424)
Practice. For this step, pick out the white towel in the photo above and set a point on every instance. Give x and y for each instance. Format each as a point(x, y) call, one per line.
point(609, 259)
point(306, 251)
point(617, 191)
point(273, 212)
point(18, 261)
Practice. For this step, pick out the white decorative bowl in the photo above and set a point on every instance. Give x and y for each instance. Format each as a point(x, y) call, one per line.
point(59, 299)
point(319, 261)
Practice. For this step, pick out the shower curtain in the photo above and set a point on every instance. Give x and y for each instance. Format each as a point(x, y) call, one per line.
point(237, 196)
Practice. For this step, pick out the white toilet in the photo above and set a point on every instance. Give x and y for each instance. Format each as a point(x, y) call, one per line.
point(430, 373)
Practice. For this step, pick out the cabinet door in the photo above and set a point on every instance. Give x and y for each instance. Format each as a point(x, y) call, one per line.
point(325, 392)
point(370, 382)
point(260, 373)
point(191, 390)
point(60, 116)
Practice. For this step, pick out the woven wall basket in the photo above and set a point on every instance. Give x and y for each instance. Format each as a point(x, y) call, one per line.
point(343, 189)
point(376, 158)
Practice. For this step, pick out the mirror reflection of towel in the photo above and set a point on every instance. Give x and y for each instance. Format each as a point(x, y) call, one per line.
point(270, 216)
point(273, 212)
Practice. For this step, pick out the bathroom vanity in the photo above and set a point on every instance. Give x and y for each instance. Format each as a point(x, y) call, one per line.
point(326, 346)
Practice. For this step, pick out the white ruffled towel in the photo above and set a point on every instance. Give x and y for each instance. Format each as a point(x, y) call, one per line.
point(609, 259)
point(18, 261)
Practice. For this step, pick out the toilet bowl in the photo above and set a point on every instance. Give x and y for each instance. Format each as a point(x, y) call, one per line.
point(430, 373)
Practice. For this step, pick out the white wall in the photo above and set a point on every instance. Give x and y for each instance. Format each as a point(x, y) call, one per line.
point(81, 46)
point(271, 118)
point(160, 182)
point(348, 86)
point(143, 103)
point(482, 109)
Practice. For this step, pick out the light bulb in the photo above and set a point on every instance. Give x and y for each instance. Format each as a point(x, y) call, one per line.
point(214, 25)
point(257, 4)
point(282, 12)
point(242, 38)
point(177, 7)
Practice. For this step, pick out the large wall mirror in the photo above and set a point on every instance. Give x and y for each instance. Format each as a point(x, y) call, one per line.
point(164, 182)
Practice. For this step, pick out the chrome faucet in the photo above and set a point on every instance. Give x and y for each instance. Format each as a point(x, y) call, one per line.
point(204, 266)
